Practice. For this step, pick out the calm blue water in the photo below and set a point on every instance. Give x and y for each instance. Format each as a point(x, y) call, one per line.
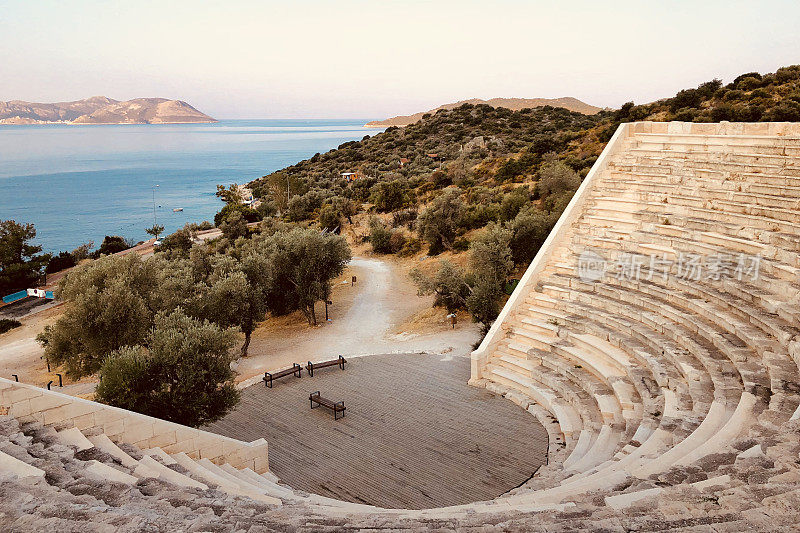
point(80, 183)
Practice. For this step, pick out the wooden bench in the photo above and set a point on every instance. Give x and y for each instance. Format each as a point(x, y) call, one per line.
point(336, 407)
point(310, 367)
point(269, 377)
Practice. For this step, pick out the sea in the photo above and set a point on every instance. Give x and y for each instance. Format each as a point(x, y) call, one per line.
point(77, 184)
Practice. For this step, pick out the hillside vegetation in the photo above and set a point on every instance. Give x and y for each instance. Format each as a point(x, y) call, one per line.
point(485, 152)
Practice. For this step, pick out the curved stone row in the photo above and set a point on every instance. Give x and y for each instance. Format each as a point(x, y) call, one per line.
point(704, 363)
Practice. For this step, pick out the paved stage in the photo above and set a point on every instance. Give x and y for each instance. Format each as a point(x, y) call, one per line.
point(415, 435)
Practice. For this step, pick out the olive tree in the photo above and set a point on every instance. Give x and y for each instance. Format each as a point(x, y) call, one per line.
point(21, 263)
point(556, 177)
point(111, 303)
point(183, 374)
point(438, 225)
point(448, 285)
point(491, 263)
point(237, 293)
point(304, 262)
point(481, 289)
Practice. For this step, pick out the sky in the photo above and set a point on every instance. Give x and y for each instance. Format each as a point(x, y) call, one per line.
point(374, 59)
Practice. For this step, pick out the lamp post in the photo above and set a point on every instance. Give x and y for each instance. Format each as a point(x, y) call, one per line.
point(154, 204)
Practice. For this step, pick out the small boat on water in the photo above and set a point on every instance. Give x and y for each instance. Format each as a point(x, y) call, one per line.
point(177, 210)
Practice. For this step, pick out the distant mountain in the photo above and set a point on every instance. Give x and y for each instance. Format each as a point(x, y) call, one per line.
point(102, 110)
point(514, 104)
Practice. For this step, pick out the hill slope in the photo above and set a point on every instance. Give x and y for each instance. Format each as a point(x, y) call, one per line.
point(485, 153)
point(514, 104)
point(101, 110)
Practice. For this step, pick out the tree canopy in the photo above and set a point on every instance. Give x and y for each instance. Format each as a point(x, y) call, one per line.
point(183, 374)
point(21, 263)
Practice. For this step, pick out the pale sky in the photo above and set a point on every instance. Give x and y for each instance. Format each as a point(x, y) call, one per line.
point(372, 59)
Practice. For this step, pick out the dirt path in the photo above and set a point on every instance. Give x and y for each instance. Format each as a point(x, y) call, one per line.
point(20, 353)
point(383, 300)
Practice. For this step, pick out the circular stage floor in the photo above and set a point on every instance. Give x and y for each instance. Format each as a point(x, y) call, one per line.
point(415, 435)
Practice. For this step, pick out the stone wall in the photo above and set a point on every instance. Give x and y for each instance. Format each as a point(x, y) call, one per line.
point(28, 403)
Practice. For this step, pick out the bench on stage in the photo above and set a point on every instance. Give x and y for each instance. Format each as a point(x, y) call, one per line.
point(310, 367)
point(336, 407)
point(269, 377)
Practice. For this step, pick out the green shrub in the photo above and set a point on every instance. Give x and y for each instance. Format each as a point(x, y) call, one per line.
point(7, 324)
point(513, 202)
point(529, 231)
point(330, 217)
point(179, 243)
point(448, 286)
point(183, 376)
point(380, 237)
point(60, 262)
point(249, 214)
point(461, 245)
point(390, 195)
point(439, 224)
point(412, 246)
point(787, 111)
point(404, 217)
point(112, 244)
point(477, 216)
point(556, 177)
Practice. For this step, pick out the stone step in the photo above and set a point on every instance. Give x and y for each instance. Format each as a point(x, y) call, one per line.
point(763, 217)
point(625, 500)
point(665, 187)
point(223, 482)
point(690, 145)
point(198, 471)
point(585, 440)
point(714, 420)
point(600, 451)
point(12, 466)
point(720, 140)
point(721, 292)
point(570, 390)
point(165, 473)
point(569, 420)
point(73, 437)
point(106, 445)
point(160, 455)
point(103, 472)
point(743, 157)
point(739, 165)
point(271, 488)
point(235, 479)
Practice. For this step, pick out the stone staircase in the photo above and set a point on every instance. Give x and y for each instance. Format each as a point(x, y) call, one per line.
point(119, 463)
point(649, 371)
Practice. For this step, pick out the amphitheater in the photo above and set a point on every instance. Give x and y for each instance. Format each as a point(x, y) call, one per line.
point(655, 336)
